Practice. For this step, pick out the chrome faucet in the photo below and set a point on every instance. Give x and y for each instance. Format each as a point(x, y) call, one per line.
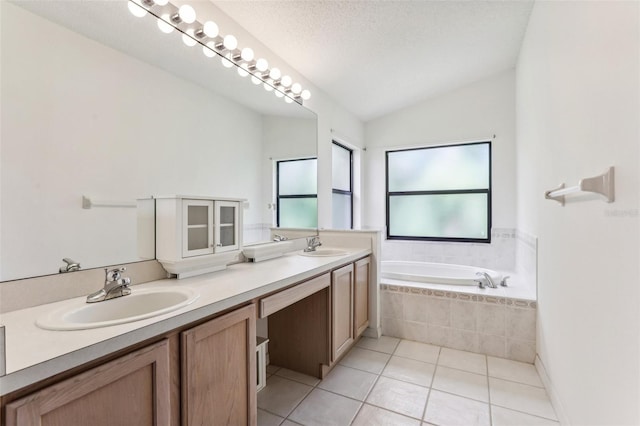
point(312, 244)
point(71, 266)
point(114, 286)
point(485, 280)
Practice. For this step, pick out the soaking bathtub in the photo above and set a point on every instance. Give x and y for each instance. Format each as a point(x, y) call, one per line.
point(435, 273)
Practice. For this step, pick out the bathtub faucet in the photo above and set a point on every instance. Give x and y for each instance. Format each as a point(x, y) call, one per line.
point(485, 279)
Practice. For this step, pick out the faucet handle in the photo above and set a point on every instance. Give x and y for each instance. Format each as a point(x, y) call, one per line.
point(113, 274)
point(503, 281)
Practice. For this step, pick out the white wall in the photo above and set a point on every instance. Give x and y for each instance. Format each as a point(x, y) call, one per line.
point(578, 110)
point(474, 112)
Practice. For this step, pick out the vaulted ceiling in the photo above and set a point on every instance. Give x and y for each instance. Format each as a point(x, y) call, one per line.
point(375, 57)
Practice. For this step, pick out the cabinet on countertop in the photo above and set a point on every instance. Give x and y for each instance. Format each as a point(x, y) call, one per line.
point(197, 235)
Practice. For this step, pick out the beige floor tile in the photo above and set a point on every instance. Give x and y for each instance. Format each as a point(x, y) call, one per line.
point(467, 361)
point(418, 351)
point(349, 382)
point(375, 416)
point(325, 408)
point(521, 397)
point(384, 344)
point(515, 371)
point(364, 359)
point(505, 417)
point(461, 383)
point(281, 395)
point(410, 370)
point(290, 423)
point(268, 419)
point(298, 377)
point(401, 397)
point(446, 409)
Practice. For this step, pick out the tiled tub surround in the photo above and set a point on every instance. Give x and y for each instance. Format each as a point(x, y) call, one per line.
point(483, 323)
point(498, 322)
point(499, 255)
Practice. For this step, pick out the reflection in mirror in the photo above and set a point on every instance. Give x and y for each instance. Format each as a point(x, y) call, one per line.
point(98, 103)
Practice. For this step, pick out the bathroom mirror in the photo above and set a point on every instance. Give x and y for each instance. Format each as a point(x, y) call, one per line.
point(101, 104)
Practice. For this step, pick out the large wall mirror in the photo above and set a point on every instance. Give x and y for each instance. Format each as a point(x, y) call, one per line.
point(99, 103)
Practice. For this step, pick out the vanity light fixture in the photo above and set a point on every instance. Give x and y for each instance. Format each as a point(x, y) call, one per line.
point(213, 44)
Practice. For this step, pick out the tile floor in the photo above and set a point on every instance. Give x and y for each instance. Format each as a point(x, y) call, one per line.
point(390, 381)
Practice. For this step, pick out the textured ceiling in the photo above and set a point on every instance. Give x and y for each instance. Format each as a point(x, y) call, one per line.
point(375, 57)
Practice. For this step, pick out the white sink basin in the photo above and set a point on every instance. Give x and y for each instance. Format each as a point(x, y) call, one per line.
point(140, 304)
point(325, 252)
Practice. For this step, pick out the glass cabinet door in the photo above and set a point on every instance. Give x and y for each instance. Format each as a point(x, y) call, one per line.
point(197, 236)
point(226, 223)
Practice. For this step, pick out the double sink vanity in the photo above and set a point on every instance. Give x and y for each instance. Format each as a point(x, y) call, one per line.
point(189, 355)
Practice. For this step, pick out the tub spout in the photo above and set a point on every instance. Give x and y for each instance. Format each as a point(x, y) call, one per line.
point(485, 280)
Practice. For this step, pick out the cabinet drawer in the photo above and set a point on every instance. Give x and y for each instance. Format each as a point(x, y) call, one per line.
point(281, 300)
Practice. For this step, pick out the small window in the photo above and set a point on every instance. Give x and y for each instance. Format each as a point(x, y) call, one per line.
point(342, 197)
point(297, 193)
point(440, 193)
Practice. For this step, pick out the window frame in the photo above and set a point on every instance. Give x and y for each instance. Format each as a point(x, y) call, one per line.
point(292, 196)
point(341, 191)
point(487, 191)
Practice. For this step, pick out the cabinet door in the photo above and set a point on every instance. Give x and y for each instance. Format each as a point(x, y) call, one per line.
point(226, 225)
point(197, 234)
point(361, 295)
point(341, 311)
point(219, 371)
point(132, 390)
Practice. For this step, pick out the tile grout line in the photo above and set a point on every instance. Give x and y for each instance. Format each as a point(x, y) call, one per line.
point(433, 378)
point(364, 400)
point(486, 359)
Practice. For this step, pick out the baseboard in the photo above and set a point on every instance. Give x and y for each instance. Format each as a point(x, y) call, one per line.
point(372, 332)
point(551, 391)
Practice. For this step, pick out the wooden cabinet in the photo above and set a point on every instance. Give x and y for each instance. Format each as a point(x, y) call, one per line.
point(361, 295)
point(132, 390)
point(342, 330)
point(197, 235)
point(219, 371)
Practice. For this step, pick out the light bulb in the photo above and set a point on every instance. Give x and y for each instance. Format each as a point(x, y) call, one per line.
point(163, 26)
point(226, 61)
point(187, 14)
point(275, 74)
point(210, 29)
point(278, 93)
point(255, 80)
point(288, 99)
point(286, 81)
point(268, 87)
point(208, 50)
point(161, 2)
point(306, 95)
point(247, 54)
point(262, 65)
point(136, 10)
point(188, 40)
point(296, 88)
point(242, 72)
point(230, 42)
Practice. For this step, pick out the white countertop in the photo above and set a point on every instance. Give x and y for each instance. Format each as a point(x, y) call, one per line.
point(33, 354)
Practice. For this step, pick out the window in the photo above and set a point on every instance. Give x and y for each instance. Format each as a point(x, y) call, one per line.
point(297, 193)
point(440, 193)
point(342, 197)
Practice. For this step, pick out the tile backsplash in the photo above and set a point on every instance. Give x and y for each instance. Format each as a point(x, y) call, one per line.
point(500, 254)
